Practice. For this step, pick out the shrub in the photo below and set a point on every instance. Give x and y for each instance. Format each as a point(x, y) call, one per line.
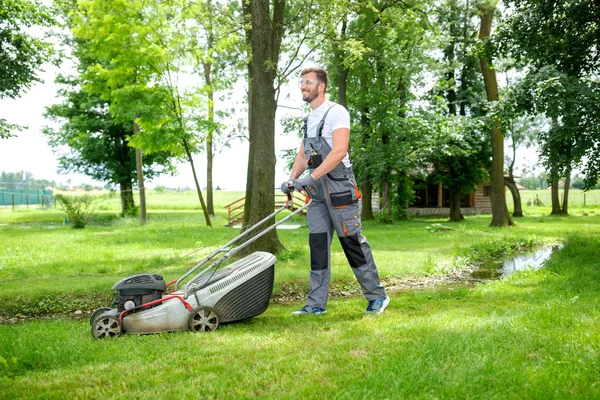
point(79, 210)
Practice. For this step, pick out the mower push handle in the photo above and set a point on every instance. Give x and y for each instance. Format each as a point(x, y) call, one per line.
point(292, 185)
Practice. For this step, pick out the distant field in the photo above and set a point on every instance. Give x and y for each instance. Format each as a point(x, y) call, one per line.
point(577, 198)
point(579, 202)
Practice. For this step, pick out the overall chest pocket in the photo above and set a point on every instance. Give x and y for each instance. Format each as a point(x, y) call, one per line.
point(341, 190)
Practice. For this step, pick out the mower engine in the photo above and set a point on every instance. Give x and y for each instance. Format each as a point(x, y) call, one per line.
point(139, 289)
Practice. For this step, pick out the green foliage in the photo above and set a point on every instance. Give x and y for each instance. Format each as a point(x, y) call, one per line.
point(22, 53)
point(498, 248)
point(571, 103)
point(460, 154)
point(132, 212)
point(558, 40)
point(23, 180)
point(89, 140)
point(559, 33)
point(79, 210)
point(386, 133)
point(433, 228)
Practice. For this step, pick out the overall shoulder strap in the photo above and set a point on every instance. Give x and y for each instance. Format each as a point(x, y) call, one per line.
point(305, 126)
point(322, 122)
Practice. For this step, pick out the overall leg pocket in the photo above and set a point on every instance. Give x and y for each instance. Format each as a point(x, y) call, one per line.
point(349, 221)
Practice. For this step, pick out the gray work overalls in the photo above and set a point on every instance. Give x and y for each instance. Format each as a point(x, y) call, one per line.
point(335, 206)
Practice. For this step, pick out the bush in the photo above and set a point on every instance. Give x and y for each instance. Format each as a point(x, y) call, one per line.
point(79, 210)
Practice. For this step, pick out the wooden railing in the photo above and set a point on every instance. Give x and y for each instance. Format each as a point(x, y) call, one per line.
point(235, 210)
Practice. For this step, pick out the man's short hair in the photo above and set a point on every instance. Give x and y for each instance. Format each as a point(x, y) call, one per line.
point(320, 72)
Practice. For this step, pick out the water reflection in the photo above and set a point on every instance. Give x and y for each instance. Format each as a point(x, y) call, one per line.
point(497, 269)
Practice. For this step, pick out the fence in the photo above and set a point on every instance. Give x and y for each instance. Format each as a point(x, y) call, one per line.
point(14, 197)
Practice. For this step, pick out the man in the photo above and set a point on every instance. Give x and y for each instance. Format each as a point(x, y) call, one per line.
point(324, 151)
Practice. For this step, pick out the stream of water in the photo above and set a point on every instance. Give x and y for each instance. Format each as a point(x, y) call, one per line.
point(497, 269)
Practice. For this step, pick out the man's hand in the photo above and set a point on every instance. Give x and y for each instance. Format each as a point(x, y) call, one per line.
point(308, 180)
point(288, 186)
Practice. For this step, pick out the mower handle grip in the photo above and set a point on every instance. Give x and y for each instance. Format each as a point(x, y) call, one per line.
point(292, 185)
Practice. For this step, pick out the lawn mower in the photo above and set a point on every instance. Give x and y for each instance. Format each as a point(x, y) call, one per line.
point(217, 294)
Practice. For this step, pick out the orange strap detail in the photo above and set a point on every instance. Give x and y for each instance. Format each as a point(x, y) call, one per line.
point(358, 194)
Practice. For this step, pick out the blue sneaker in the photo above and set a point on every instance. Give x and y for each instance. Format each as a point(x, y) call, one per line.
point(309, 310)
point(377, 306)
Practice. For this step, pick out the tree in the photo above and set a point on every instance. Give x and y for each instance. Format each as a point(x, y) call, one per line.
point(460, 158)
point(459, 155)
point(21, 53)
point(558, 40)
point(98, 146)
point(500, 215)
point(141, 51)
point(386, 50)
point(216, 50)
point(124, 69)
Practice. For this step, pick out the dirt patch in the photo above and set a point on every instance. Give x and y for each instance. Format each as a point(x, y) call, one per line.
point(294, 292)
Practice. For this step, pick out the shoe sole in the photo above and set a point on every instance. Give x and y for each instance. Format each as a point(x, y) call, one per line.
point(306, 313)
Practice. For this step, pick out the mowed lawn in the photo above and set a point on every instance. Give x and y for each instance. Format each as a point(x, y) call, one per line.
point(534, 334)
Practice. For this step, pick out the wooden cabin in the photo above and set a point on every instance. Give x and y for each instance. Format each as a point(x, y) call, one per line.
point(433, 199)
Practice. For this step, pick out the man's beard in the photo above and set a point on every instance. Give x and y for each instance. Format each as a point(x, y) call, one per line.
point(310, 96)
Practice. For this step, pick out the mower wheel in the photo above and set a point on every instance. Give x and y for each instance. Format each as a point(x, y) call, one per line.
point(97, 312)
point(203, 319)
point(106, 326)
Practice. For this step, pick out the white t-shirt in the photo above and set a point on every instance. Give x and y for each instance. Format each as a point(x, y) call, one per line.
point(338, 117)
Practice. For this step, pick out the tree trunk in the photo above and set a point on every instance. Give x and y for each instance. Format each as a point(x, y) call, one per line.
point(198, 189)
point(554, 194)
point(565, 205)
point(139, 165)
point(367, 185)
point(386, 188)
point(210, 43)
point(127, 201)
point(500, 215)
point(449, 53)
point(386, 200)
point(247, 13)
point(455, 214)
point(367, 199)
point(342, 76)
point(264, 36)
point(509, 181)
point(209, 139)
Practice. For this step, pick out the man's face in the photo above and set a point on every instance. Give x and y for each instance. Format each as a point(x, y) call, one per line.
point(309, 86)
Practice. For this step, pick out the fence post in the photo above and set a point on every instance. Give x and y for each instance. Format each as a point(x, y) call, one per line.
point(13, 202)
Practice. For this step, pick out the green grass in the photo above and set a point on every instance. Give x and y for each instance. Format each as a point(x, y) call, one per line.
point(535, 334)
point(579, 201)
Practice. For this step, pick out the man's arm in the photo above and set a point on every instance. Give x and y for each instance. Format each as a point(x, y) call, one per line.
point(340, 140)
point(299, 163)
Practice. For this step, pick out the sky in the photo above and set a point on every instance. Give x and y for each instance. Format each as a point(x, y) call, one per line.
point(29, 150)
